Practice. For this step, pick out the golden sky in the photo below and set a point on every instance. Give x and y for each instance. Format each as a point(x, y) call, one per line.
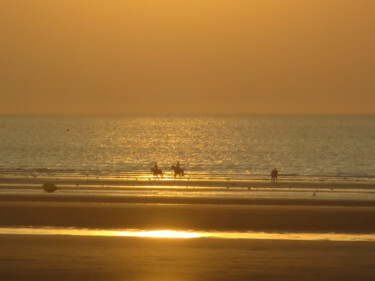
point(187, 56)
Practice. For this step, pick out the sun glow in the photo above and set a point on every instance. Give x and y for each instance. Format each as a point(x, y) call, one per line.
point(161, 234)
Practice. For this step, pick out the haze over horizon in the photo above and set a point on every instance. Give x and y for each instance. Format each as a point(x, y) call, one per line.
point(187, 57)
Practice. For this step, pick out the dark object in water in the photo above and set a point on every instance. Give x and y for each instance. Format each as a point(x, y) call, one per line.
point(49, 187)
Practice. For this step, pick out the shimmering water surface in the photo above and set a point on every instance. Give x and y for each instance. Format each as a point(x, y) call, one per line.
point(188, 234)
point(247, 147)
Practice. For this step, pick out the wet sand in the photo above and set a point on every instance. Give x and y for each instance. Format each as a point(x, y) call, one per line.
point(34, 257)
point(186, 182)
point(117, 258)
point(189, 217)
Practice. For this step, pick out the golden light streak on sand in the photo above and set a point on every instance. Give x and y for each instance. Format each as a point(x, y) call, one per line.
point(161, 234)
point(189, 234)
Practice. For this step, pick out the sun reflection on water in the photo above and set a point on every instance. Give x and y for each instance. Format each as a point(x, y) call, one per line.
point(161, 234)
point(174, 234)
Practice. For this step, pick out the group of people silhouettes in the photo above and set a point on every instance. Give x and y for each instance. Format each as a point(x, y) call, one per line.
point(177, 170)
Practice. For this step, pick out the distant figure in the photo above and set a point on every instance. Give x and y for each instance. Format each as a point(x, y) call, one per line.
point(155, 166)
point(156, 171)
point(274, 174)
point(178, 170)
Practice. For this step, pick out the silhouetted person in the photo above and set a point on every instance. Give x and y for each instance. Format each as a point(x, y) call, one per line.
point(274, 174)
point(156, 171)
point(177, 169)
point(155, 167)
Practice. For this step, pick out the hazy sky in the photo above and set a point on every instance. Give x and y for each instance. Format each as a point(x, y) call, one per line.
point(187, 56)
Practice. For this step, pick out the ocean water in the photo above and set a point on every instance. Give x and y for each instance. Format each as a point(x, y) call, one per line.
point(301, 147)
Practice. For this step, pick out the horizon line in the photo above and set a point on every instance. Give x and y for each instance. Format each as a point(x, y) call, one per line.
point(184, 114)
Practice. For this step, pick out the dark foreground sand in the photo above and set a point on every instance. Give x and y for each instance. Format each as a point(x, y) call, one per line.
point(73, 258)
point(116, 258)
point(208, 217)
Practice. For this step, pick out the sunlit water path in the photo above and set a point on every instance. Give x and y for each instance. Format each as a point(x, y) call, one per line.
point(189, 234)
point(302, 147)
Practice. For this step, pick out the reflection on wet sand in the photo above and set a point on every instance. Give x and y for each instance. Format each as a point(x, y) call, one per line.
point(189, 234)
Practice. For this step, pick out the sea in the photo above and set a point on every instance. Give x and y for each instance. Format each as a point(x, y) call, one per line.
point(242, 147)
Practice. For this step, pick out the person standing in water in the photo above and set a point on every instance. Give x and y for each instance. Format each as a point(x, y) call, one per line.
point(274, 174)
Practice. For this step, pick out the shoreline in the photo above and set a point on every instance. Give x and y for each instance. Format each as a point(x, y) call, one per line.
point(204, 208)
point(176, 200)
point(186, 182)
point(190, 192)
point(186, 192)
point(76, 258)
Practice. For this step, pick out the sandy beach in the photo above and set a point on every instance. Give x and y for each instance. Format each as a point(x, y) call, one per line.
point(189, 217)
point(117, 258)
point(69, 257)
point(348, 208)
point(108, 182)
